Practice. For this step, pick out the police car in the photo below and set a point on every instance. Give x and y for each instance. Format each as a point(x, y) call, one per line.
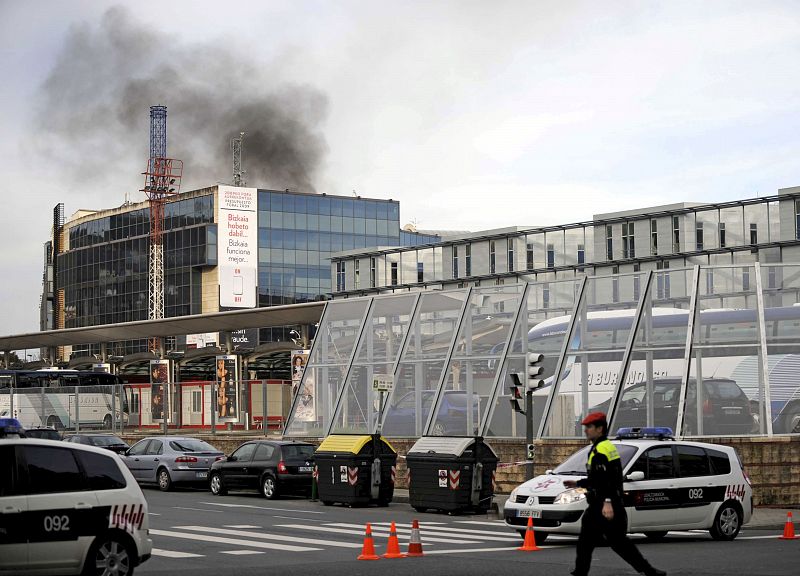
point(668, 485)
point(68, 509)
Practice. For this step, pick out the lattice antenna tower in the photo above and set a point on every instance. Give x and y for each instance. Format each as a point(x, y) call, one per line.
point(236, 149)
point(162, 179)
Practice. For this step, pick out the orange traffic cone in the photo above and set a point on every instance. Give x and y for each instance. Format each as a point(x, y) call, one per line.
point(788, 529)
point(415, 543)
point(368, 550)
point(393, 548)
point(529, 545)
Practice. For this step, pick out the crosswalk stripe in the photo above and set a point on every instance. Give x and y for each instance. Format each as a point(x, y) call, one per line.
point(261, 536)
point(431, 532)
point(241, 552)
point(232, 541)
point(467, 533)
point(260, 507)
point(427, 536)
point(242, 526)
point(495, 523)
point(378, 532)
point(472, 550)
point(174, 554)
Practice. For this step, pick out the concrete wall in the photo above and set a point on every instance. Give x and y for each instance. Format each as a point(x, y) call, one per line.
point(773, 464)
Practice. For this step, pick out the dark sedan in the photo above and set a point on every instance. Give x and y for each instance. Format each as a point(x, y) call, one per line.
point(271, 467)
point(107, 441)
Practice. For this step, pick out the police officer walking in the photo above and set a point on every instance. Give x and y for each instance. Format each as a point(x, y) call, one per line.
point(605, 517)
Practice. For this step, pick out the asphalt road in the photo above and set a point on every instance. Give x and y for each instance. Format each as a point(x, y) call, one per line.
point(196, 533)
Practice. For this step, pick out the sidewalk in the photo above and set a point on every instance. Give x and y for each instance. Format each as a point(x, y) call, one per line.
point(765, 518)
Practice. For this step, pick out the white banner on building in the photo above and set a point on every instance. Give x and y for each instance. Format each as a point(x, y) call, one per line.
point(237, 246)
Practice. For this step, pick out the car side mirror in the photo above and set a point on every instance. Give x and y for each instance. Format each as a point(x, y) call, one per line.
point(231, 459)
point(637, 476)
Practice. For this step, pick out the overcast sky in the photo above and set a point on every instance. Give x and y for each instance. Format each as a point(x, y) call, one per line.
point(474, 115)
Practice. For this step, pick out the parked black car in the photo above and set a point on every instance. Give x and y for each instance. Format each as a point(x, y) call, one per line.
point(43, 433)
point(269, 466)
point(107, 441)
point(726, 408)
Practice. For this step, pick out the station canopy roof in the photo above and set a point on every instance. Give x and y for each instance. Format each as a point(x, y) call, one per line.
point(290, 315)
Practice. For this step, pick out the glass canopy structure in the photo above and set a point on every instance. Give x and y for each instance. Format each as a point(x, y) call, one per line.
point(707, 351)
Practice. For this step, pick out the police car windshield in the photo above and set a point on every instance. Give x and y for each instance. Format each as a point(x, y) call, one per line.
point(575, 465)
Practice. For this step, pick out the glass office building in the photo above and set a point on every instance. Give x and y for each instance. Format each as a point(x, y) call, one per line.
point(102, 267)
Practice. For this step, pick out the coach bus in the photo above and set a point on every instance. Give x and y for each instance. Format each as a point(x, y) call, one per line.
point(59, 398)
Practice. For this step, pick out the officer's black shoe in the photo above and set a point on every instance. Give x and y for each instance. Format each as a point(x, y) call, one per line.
point(654, 572)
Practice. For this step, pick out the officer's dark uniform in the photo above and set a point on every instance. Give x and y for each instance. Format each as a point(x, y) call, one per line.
point(604, 481)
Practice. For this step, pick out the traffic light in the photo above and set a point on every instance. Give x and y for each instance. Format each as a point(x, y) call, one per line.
point(517, 396)
point(535, 370)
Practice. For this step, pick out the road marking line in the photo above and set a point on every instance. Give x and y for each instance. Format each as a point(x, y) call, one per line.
point(291, 518)
point(465, 532)
point(241, 552)
point(153, 514)
point(260, 507)
point(473, 550)
point(232, 541)
point(174, 554)
point(242, 526)
point(378, 532)
point(756, 537)
point(405, 532)
point(197, 509)
point(260, 536)
point(482, 522)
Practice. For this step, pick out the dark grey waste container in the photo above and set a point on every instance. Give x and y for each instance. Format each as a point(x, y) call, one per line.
point(355, 469)
point(451, 474)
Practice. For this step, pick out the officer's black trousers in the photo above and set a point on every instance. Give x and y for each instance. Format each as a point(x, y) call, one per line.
point(595, 528)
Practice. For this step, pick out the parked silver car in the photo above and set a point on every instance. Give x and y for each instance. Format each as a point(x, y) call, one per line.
point(170, 460)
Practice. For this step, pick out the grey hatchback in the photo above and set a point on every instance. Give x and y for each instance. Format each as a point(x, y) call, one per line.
point(170, 460)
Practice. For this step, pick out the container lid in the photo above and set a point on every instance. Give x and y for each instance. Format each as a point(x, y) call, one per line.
point(441, 445)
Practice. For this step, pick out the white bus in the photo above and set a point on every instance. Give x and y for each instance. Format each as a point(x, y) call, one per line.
point(61, 398)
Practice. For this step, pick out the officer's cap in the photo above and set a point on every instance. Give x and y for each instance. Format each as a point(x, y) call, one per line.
point(594, 418)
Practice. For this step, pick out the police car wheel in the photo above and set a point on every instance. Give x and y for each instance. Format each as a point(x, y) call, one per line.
point(727, 522)
point(420, 509)
point(216, 485)
point(269, 488)
point(164, 481)
point(109, 556)
point(658, 535)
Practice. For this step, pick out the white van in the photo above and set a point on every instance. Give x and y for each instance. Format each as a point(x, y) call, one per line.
point(69, 509)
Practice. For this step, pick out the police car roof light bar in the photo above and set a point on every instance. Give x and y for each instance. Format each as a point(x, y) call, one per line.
point(660, 432)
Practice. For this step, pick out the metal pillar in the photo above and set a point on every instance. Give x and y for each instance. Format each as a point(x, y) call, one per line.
point(764, 393)
point(687, 355)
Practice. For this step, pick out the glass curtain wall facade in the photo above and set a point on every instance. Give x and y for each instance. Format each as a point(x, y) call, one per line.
point(706, 358)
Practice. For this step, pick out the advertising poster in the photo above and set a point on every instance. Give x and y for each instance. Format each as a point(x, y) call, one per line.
point(299, 360)
point(304, 387)
point(159, 390)
point(227, 389)
point(237, 246)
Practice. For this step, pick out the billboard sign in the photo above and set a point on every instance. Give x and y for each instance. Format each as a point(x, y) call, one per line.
point(304, 387)
point(237, 246)
point(159, 390)
point(227, 385)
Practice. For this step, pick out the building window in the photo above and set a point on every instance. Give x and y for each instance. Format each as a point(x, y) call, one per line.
point(420, 272)
point(754, 233)
point(581, 254)
point(609, 243)
point(722, 234)
point(710, 281)
point(615, 284)
point(551, 256)
point(546, 296)
point(654, 237)
point(529, 255)
point(197, 401)
point(468, 259)
point(372, 273)
point(797, 218)
point(491, 257)
point(355, 270)
point(746, 278)
point(340, 276)
point(628, 250)
point(636, 282)
point(662, 280)
point(455, 261)
point(394, 273)
point(699, 236)
point(676, 234)
point(510, 246)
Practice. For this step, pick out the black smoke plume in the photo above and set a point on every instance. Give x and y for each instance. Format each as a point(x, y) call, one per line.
point(93, 111)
